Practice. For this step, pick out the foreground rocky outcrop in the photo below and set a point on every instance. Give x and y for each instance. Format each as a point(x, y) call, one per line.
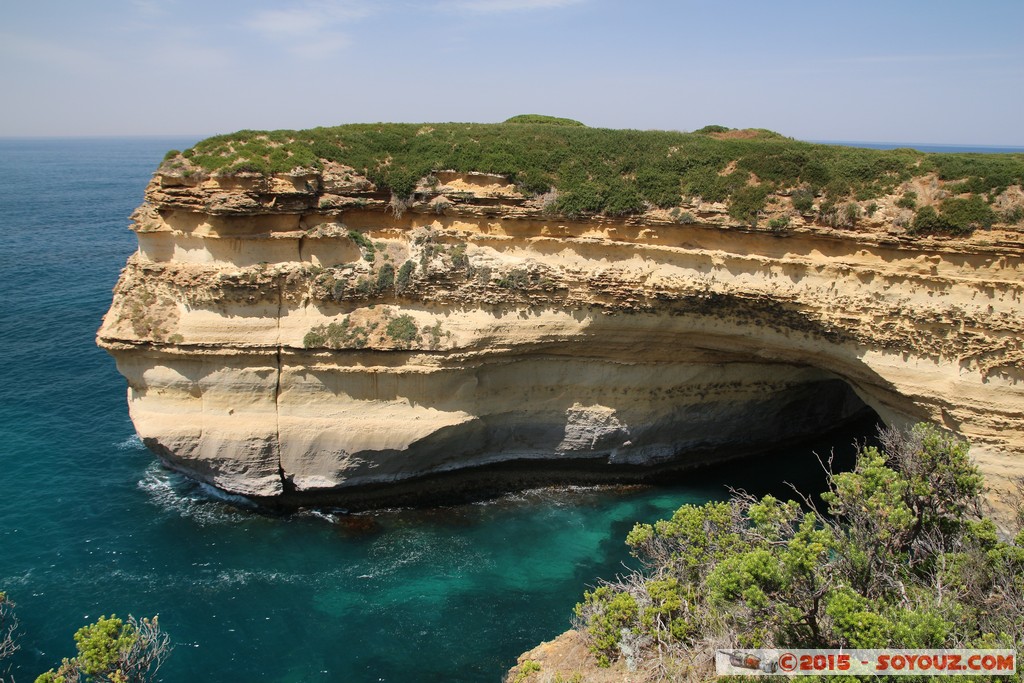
point(309, 337)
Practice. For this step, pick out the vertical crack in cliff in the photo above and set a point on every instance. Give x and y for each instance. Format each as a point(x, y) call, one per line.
point(277, 386)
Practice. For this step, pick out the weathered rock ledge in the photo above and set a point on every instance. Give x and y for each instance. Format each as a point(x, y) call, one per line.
point(304, 337)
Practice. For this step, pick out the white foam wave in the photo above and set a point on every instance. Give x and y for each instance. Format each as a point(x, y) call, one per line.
point(11, 581)
point(233, 498)
point(559, 496)
point(218, 578)
point(175, 493)
point(320, 513)
point(132, 443)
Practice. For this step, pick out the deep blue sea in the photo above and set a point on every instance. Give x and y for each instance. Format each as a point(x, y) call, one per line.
point(91, 525)
point(928, 147)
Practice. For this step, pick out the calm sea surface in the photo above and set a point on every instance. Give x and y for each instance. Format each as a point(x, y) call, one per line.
point(90, 525)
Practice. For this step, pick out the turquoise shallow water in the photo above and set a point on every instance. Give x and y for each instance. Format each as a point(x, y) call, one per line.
point(90, 525)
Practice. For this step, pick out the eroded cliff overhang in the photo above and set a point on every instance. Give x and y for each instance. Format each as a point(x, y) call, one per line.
point(309, 334)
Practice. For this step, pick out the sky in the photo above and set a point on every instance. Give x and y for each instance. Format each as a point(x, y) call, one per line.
point(925, 71)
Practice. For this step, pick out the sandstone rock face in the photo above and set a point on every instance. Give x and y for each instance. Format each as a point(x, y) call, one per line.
point(304, 337)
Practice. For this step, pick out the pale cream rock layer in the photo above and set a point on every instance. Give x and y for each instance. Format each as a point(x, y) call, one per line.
point(617, 342)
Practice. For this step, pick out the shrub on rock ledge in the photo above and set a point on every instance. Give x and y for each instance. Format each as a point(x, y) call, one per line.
point(900, 558)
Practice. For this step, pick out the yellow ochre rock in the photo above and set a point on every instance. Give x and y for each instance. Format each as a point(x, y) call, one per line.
point(307, 337)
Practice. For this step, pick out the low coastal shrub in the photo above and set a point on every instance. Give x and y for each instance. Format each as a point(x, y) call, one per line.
point(457, 254)
point(403, 330)
point(955, 216)
point(339, 335)
point(515, 279)
point(803, 199)
point(1013, 216)
point(361, 240)
point(712, 128)
point(851, 213)
point(525, 669)
point(747, 202)
point(908, 200)
point(682, 217)
point(599, 170)
point(967, 214)
point(542, 119)
point(385, 278)
point(404, 278)
point(898, 556)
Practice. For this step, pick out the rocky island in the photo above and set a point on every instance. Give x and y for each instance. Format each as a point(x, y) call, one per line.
point(370, 314)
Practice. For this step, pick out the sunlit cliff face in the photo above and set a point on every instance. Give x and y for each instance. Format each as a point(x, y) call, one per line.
point(307, 338)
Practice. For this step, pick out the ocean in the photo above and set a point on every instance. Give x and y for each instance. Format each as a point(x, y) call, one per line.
point(928, 147)
point(91, 525)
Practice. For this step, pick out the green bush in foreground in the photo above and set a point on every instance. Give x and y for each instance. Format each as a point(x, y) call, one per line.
point(900, 558)
point(114, 651)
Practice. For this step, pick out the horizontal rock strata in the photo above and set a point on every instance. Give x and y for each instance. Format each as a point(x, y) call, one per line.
point(305, 337)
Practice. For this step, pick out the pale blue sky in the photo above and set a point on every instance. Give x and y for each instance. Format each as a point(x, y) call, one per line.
point(893, 70)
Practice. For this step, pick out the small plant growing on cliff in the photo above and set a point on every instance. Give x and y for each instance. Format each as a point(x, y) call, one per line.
point(747, 202)
point(404, 279)
point(385, 278)
point(1013, 216)
point(965, 215)
point(458, 257)
point(340, 335)
point(682, 217)
point(435, 331)
point(908, 200)
point(803, 199)
point(525, 669)
point(955, 216)
point(403, 330)
point(363, 242)
point(365, 286)
point(779, 223)
point(337, 288)
point(515, 279)
point(399, 205)
point(851, 213)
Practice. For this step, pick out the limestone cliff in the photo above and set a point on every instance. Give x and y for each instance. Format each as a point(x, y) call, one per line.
point(310, 335)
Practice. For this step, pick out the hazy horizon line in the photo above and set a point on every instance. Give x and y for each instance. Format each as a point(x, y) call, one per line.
point(202, 136)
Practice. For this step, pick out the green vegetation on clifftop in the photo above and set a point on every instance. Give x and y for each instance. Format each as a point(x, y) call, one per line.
point(599, 170)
